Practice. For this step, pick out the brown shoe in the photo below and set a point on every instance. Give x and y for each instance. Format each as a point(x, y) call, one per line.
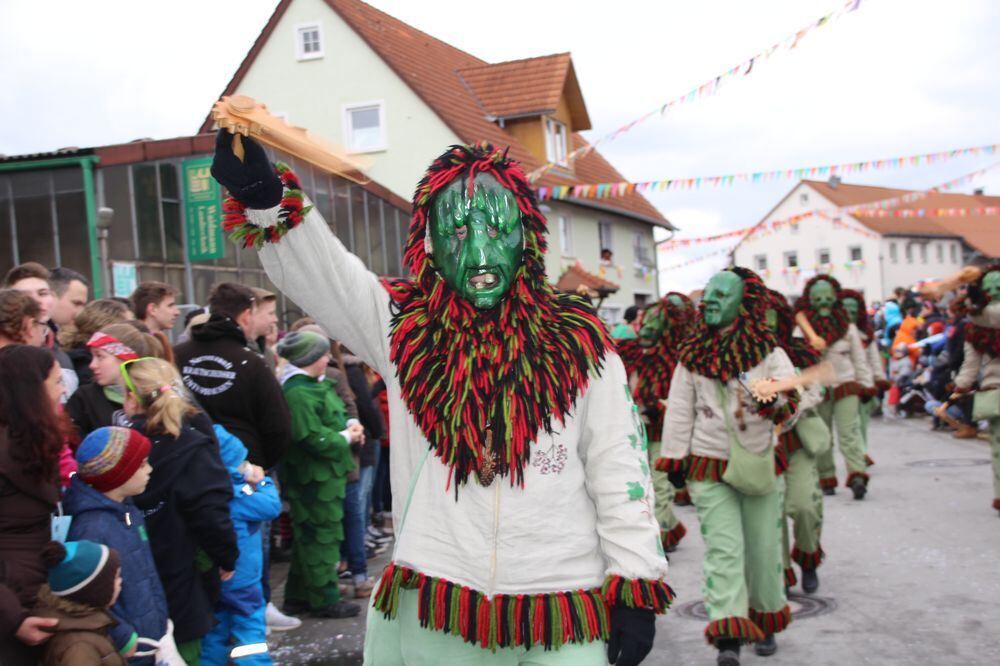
point(965, 431)
point(364, 590)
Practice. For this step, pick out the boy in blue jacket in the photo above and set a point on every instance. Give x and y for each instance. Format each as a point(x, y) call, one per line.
point(240, 635)
point(113, 467)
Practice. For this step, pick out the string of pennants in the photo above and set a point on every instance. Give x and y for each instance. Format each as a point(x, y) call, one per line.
point(622, 188)
point(931, 212)
point(711, 86)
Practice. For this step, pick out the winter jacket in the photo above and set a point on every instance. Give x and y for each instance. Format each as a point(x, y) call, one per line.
point(343, 388)
point(235, 387)
point(186, 507)
point(141, 608)
point(81, 637)
point(90, 408)
point(81, 358)
point(849, 360)
point(249, 507)
point(695, 422)
point(586, 515)
point(368, 413)
point(26, 505)
point(976, 364)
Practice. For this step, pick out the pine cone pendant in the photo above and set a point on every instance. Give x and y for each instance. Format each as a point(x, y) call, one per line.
point(486, 469)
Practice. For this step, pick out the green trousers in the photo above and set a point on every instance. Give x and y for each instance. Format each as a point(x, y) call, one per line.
point(190, 652)
point(744, 587)
point(995, 450)
point(403, 642)
point(672, 530)
point(804, 506)
point(843, 416)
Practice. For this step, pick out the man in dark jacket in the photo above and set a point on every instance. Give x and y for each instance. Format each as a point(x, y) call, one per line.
point(231, 381)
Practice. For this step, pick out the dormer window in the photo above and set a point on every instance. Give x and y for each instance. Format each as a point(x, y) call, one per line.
point(556, 142)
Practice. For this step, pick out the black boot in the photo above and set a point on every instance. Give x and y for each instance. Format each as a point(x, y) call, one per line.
point(341, 609)
point(859, 488)
point(766, 647)
point(829, 491)
point(810, 581)
point(729, 652)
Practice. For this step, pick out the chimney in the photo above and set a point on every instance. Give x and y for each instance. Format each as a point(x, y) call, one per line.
point(833, 182)
point(978, 192)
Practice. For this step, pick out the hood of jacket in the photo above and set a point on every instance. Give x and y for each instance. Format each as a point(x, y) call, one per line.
point(81, 498)
point(169, 457)
point(72, 615)
point(218, 328)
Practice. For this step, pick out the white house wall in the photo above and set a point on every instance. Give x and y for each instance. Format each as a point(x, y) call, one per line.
point(903, 273)
point(313, 94)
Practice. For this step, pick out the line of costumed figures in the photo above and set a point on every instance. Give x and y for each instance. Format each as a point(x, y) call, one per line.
point(536, 497)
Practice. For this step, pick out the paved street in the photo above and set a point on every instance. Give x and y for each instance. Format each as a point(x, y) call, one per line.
point(911, 574)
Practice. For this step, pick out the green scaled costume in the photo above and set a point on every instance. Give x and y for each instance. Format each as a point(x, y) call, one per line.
point(314, 481)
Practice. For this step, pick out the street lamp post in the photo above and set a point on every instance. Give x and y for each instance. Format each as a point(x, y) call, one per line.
point(104, 217)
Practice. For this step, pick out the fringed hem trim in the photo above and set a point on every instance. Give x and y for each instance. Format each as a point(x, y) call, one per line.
point(808, 560)
point(292, 211)
point(682, 497)
point(742, 629)
point(996, 504)
point(706, 469)
point(667, 465)
point(654, 595)
point(868, 461)
point(673, 537)
point(854, 475)
point(790, 578)
point(547, 620)
point(828, 482)
point(772, 622)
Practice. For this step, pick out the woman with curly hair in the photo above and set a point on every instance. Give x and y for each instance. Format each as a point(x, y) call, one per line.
point(31, 438)
point(19, 323)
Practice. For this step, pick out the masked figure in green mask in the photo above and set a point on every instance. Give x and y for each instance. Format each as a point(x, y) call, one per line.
point(800, 446)
point(721, 441)
point(524, 505)
point(982, 361)
point(854, 382)
point(854, 303)
point(650, 360)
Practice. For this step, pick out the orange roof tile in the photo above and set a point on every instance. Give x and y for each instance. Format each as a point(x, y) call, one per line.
point(576, 276)
point(430, 67)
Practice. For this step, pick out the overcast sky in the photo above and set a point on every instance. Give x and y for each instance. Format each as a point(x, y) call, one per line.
point(897, 77)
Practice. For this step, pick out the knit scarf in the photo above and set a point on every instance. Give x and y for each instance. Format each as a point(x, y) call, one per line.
point(984, 339)
point(864, 322)
point(481, 385)
point(720, 355)
point(830, 328)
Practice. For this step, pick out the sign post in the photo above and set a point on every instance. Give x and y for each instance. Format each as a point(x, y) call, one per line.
point(202, 211)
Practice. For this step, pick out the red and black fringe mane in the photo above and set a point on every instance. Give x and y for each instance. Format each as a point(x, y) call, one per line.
point(863, 322)
point(830, 328)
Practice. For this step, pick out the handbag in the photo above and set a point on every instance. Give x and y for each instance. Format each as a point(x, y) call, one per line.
point(814, 434)
point(749, 473)
point(164, 651)
point(986, 405)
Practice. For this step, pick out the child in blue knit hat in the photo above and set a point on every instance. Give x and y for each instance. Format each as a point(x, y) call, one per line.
point(240, 631)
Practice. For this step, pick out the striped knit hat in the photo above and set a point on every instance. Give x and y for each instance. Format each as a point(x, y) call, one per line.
point(108, 457)
point(303, 348)
point(82, 571)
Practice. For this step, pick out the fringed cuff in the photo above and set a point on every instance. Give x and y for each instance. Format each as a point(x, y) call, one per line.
point(828, 482)
point(790, 578)
point(808, 560)
point(779, 414)
point(523, 620)
point(740, 628)
point(654, 595)
point(673, 537)
point(682, 497)
point(996, 504)
point(291, 212)
point(772, 622)
point(854, 475)
point(706, 469)
point(868, 461)
point(667, 465)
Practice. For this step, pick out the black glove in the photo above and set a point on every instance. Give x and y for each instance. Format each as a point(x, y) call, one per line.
point(254, 181)
point(632, 633)
point(678, 478)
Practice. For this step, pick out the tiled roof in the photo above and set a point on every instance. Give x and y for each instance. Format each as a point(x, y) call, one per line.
point(576, 276)
point(519, 87)
point(981, 232)
point(430, 67)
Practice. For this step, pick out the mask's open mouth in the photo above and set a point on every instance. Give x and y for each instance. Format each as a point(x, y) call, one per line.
point(484, 281)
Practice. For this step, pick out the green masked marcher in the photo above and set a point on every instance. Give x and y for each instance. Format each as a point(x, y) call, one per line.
point(720, 440)
point(854, 303)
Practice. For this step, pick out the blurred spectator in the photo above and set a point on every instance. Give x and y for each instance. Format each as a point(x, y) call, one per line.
point(19, 322)
point(92, 318)
point(70, 290)
point(155, 305)
point(265, 323)
point(626, 330)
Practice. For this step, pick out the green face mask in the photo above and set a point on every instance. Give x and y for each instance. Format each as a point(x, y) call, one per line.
point(852, 308)
point(772, 319)
point(723, 297)
point(991, 286)
point(822, 298)
point(676, 301)
point(653, 323)
point(477, 243)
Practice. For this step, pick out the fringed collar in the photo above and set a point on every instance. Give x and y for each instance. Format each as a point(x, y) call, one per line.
point(830, 328)
point(984, 339)
point(864, 322)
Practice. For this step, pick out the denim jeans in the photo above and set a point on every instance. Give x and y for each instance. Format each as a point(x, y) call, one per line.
point(382, 494)
point(353, 547)
point(367, 485)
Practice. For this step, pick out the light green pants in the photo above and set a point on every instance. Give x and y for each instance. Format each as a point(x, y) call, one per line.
point(744, 575)
point(672, 530)
point(403, 642)
point(843, 416)
point(865, 411)
point(995, 449)
point(804, 506)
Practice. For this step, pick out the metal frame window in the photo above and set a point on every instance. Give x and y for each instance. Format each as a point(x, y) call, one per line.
point(364, 127)
point(308, 41)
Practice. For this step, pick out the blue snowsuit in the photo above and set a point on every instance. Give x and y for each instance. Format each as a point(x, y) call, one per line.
point(141, 609)
point(240, 610)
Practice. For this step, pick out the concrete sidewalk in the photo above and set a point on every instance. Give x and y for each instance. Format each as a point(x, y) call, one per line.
point(911, 575)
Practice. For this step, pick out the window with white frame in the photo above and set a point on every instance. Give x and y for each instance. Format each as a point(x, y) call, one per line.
point(923, 253)
point(760, 262)
point(605, 237)
point(566, 235)
point(854, 252)
point(642, 250)
point(909, 253)
point(791, 259)
point(823, 256)
point(308, 42)
point(940, 252)
point(893, 254)
point(364, 127)
point(954, 253)
point(804, 199)
point(556, 142)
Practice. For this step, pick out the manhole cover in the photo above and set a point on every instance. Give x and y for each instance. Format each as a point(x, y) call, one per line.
point(803, 606)
point(950, 462)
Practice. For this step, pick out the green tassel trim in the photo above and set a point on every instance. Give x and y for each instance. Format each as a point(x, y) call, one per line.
point(654, 595)
point(291, 213)
point(790, 578)
point(808, 560)
point(667, 465)
point(772, 622)
point(740, 628)
point(673, 537)
point(706, 469)
point(523, 620)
